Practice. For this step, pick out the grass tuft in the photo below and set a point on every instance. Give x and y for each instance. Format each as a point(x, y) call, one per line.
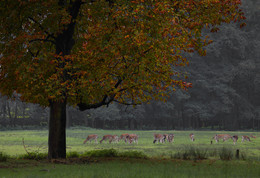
point(3, 157)
point(73, 154)
point(226, 153)
point(34, 156)
point(191, 153)
point(101, 153)
point(133, 154)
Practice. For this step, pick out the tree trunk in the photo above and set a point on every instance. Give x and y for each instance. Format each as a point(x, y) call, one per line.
point(57, 130)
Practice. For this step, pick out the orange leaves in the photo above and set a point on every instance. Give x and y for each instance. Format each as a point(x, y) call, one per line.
point(139, 43)
point(242, 25)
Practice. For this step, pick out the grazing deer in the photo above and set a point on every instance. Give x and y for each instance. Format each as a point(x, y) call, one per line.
point(192, 137)
point(132, 138)
point(221, 136)
point(110, 138)
point(124, 137)
point(170, 138)
point(235, 138)
point(252, 136)
point(165, 137)
point(91, 137)
point(244, 137)
point(158, 138)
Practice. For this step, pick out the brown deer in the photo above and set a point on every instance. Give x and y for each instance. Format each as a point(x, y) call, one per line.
point(166, 137)
point(235, 138)
point(192, 137)
point(170, 138)
point(132, 138)
point(158, 138)
point(252, 136)
point(91, 137)
point(244, 137)
point(222, 136)
point(124, 137)
point(110, 138)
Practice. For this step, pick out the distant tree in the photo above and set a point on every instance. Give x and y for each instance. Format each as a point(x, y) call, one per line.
point(88, 53)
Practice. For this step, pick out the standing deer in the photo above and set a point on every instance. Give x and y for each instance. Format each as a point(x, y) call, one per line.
point(158, 138)
point(166, 137)
point(244, 137)
point(171, 138)
point(110, 138)
point(132, 138)
point(124, 137)
point(192, 137)
point(222, 136)
point(91, 137)
point(252, 136)
point(235, 138)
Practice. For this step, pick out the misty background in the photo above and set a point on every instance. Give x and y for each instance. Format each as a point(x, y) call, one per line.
point(225, 93)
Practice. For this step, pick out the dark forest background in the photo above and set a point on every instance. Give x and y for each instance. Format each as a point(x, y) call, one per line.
point(225, 93)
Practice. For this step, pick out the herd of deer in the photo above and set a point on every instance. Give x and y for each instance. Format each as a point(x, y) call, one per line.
point(128, 138)
point(133, 138)
point(225, 137)
point(161, 138)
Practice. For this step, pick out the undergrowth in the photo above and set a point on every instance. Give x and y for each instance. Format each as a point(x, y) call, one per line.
point(3, 157)
point(195, 153)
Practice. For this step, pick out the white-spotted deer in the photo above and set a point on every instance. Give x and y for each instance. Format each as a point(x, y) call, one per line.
point(132, 138)
point(170, 138)
point(159, 138)
point(91, 137)
point(124, 137)
point(244, 137)
point(192, 137)
point(166, 137)
point(235, 138)
point(222, 136)
point(110, 138)
point(252, 136)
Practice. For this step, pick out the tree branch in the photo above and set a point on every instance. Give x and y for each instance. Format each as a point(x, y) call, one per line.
point(41, 27)
point(105, 101)
point(44, 40)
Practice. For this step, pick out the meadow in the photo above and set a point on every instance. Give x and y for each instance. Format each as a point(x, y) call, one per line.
point(161, 161)
point(11, 142)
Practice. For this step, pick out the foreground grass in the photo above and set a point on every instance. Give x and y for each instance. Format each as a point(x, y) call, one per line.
point(136, 168)
point(160, 162)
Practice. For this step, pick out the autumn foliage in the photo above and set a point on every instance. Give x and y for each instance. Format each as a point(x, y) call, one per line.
point(124, 51)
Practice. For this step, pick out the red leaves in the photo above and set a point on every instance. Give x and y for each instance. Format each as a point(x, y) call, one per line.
point(186, 85)
point(139, 42)
point(215, 29)
point(242, 25)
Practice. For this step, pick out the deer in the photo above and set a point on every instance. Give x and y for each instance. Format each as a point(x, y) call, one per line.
point(166, 137)
point(221, 136)
point(124, 137)
point(110, 138)
point(90, 138)
point(252, 136)
point(234, 138)
point(170, 138)
point(158, 138)
point(132, 138)
point(192, 137)
point(244, 137)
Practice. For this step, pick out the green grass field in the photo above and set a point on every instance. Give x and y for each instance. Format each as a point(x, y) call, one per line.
point(159, 164)
point(11, 142)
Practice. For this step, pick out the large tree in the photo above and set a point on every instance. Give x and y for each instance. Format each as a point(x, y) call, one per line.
point(89, 53)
